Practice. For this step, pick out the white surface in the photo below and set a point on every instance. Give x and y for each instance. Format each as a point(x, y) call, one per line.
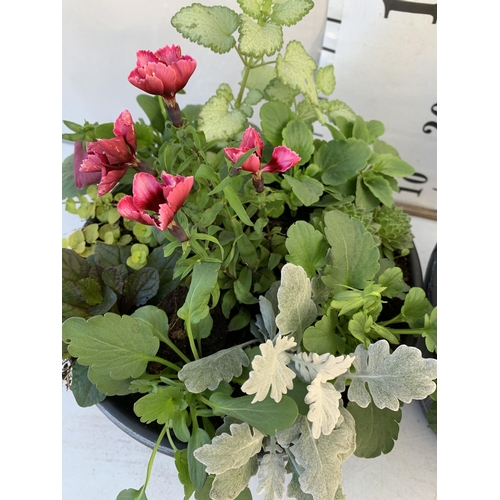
point(99, 460)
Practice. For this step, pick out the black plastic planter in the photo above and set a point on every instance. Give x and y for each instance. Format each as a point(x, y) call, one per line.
point(119, 409)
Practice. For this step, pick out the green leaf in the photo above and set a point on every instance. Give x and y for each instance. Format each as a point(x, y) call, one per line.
point(290, 12)
point(297, 309)
point(203, 281)
point(376, 429)
point(165, 266)
point(379, 187)
point(181, 464)
point(430, 333)
point(211, 27)
point(85, 392)
point(274, 118)
point(355, 254)
point(74, 267)
point(141, 286)
point(306, 247)
point(108, 385)
point(341, 160)
point(155, 318)
point(160, 406)
point(306, 189)
point(117, 345)
point(335, 109)
point(259, 78)
point(209, 372)
point(278, 91)
point(391, 165)
point(197, 472)
point(153, 110)
point(296, 69)
point(325, 80)
point(322, 337)
point(392, 280)
point(69, 189)
point(131, 494)
point(298, 137)
point(416, 304)
point(267, 416)
point(258, 40)
point(236, 205)
point(215, 119)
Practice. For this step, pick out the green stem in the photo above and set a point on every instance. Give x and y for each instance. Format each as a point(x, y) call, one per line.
point(166, 340)
point(409, 331)
point(151, 460)
point(171, 441)
point(396, 319)
point(203, 399)
point(191, 339)
point(165, 362)
point(237, 103)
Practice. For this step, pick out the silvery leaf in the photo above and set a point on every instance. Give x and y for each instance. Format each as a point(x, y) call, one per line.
point(230, 451)
point(401, 376)
point(297, 309)
point(207, 373)
point(229, 484)
point(272, 474)
point(323, 400)
point(325, 366)
point(270, 370)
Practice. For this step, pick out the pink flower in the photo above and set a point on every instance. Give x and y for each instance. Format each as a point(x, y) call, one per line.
point(163, 73)
point(282, 158)
point(82, 179)
point(112, 157)
point(155, 203)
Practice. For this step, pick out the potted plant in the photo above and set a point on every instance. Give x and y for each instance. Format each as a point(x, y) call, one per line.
point(239, 285)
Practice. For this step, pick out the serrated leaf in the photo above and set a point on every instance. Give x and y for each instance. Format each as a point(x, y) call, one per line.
point(430, 331)
point(211, 27)
point(376, 429)
point(320, 459)
point(85, 392)
point(160, 406)
point(270, 370)
point(401, 376)
point(215, 119)
point(203, 280)
point(258, 40)
point(267, 416)
point(90, 290)
point(272, 474)
point(290, 12)
point(296, 69)
point(324, 411)
point(392, 280)
point(74, 267)
point(325, 80)
point(335, 109)
point(324, 367)
point(297, 309)
point(355, 254)
point(118, 345)
point(229, 484)
point(259, 78)
point(251, 7)
point(230, 451)
point(276, 90)
point(341, 160)
point(207, 373)
point(306, 247)
point(155, 318)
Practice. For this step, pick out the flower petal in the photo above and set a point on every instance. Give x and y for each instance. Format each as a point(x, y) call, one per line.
point(251, 139)
point(124, 127)
point(109, 180)
point(179, 192)
point(281, 160)
point(128, 210)
point(148, 192)
point(84, 178)
point(251, 164)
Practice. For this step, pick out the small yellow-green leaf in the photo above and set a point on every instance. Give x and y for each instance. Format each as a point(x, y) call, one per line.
point(325, 80)
point(290, 12)
point(258, 40)
point(211, 27)
point(296, 69)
